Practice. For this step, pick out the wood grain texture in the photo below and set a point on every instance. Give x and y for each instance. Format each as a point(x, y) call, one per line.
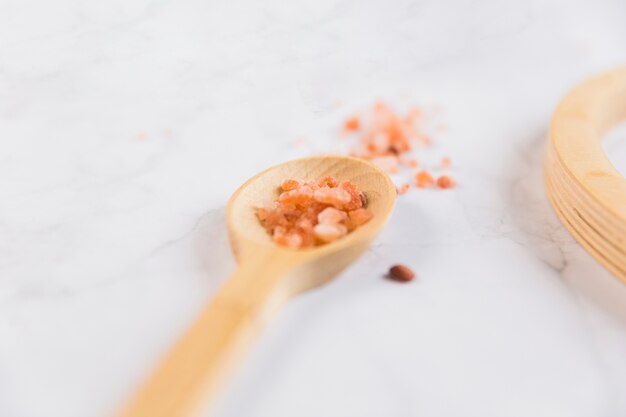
point(587, 192)
point(267, 276)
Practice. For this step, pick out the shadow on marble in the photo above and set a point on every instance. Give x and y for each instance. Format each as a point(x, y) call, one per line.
point(541, 231)
point(212, 247)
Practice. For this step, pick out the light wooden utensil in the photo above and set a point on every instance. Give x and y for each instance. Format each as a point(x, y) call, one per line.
point(266, 277)
point(587, 192)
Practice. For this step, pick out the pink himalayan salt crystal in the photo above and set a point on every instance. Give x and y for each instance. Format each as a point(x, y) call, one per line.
point(262, 213)
point(313, 185)
point(329, 232)
point(299, 195)
point(331, 215)
point(291, 240)
point(385, 138)
point(298, 220)
point(289, 184)
point(357, 198)
point(328, 181)
point(336, 197)
point(359, 217)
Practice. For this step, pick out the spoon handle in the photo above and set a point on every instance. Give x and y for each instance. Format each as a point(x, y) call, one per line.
point(189, 376)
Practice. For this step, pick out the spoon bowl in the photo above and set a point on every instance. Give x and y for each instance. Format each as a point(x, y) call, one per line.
point(249, 238)
point(267, 276)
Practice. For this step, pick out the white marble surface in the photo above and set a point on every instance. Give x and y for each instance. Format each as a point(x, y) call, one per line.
point(122, 134)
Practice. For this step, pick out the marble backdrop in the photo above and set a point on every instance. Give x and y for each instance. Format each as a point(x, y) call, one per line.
point(125, 126)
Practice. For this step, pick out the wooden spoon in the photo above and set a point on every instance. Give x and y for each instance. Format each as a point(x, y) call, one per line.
point(266, 277)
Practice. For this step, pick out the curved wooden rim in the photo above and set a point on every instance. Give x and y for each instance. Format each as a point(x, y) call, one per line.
point(587, 192)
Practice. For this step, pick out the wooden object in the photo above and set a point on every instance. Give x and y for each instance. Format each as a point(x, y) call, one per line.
point(585, 189)
point(267, 276)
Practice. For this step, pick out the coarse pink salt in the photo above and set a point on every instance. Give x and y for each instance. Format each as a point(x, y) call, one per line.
point(423, 179)
point(334, 196)
point(352, 124)
point(390, 140)
point(327, 181)
point(300, 195)
point(291, 240)
point(331, 215)
point(329, 232)
point(359, 217)
point(289, 184)
point(357, 198)
point(445, 181)
point(314, 213)
point(262, 213)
